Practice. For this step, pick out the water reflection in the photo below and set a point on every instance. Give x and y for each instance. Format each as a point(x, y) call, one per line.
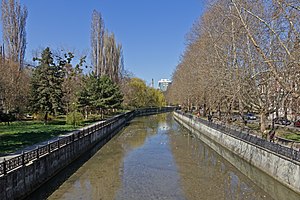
point(146, 175)
point(97, 179)
point(155, 158)
point(205, 175)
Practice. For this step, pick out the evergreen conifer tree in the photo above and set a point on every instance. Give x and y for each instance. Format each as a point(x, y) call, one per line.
point(46, 85)
point(100, 94)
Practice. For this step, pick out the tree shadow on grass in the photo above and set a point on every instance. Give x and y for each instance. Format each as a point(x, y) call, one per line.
point(12, 142)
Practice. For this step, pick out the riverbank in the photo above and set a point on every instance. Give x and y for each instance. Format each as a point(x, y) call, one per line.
point(24, 173)
point(21, 135)
point(155, 158)
point(285, 135)
point(254, 150)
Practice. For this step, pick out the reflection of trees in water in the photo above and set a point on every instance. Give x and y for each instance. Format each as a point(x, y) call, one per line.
point(205, 175)
point(156, 122)
point(140, 128)
point(134, 135)
point(162, 117)
point(136, 140)
point(105, 175)
point(99, 178)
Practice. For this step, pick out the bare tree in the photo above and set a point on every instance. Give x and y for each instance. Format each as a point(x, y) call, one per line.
point(14, 87)
point(14, 34)
point(279, 20)
point(242, 55)
point(97, 43)
point(112, 58)
point(107, 57)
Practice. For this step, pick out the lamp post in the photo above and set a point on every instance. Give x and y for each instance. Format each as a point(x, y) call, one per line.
point(74, 120)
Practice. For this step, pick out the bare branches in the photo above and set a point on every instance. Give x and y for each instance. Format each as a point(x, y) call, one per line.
point(242, 56)
point(253, 40)
point(14, 34)
point(97, 42)
point(106, 54)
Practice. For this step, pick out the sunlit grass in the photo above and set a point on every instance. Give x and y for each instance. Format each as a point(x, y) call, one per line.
point(288, 134)
point(283, 132)
point(21, 134)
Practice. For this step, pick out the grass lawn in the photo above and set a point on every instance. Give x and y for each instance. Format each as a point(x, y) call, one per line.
point(289, 134)
point(286, 133)
point(25, 133)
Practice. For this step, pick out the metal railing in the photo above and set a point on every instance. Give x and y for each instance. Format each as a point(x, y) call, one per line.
point(27, 157)
point(246, 136)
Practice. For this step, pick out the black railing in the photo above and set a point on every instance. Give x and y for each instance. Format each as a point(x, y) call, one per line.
point(246, 136)
point(27, 157)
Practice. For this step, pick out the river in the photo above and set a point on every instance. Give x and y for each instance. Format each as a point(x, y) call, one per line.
point(156, 158)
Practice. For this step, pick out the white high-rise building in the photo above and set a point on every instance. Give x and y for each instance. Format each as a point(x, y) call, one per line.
point(163, 84)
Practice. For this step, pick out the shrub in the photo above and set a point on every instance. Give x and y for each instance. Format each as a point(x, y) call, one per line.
point(41, 117)
point(74, 118)
point(7, 117)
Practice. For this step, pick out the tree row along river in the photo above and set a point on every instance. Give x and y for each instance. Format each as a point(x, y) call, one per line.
point(156, 158)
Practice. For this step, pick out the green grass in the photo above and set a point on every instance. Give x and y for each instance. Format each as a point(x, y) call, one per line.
point(25, 133)
point(289, 134)
point(292, 136)
point(286, 133)
point(254, 126)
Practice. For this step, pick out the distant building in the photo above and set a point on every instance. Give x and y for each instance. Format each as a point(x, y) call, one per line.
point(163, 84)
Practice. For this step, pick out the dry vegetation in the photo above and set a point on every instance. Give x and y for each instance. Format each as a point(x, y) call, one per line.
point(242, 55)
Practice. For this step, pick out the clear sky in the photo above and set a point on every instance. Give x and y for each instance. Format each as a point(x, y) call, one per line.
point(152, 32)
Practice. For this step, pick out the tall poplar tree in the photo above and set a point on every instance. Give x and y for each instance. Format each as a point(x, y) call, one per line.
point(107, 57)
point(14, 33)
point(97, 43)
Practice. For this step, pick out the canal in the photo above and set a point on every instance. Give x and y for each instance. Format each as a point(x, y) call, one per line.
point(156, 158)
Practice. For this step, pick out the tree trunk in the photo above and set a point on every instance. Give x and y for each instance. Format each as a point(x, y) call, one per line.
point(219, 112)
point(241, 109)
point(285, 111)
point(46, 118)
point(263, 119)
point(85, 113)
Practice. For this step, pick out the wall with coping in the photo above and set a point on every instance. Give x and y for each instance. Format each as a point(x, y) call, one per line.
point(284, 170)
point(23, 180)
point(23, 174)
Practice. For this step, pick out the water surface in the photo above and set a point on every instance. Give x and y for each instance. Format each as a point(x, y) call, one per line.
point(155, 158)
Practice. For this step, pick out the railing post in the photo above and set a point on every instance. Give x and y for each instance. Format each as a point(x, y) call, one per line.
point(48, 147)
point(37, 152)
point(4, 166)
point(23, 159)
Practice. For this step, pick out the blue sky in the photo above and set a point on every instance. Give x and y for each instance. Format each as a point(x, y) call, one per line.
point(152, 32)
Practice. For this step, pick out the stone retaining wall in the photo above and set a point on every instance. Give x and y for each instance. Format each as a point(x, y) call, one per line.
point(283, 169)
point(23, 174)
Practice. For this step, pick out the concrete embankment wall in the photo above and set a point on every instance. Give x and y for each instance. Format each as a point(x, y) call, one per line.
point(284, 170)
point(23, 174)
